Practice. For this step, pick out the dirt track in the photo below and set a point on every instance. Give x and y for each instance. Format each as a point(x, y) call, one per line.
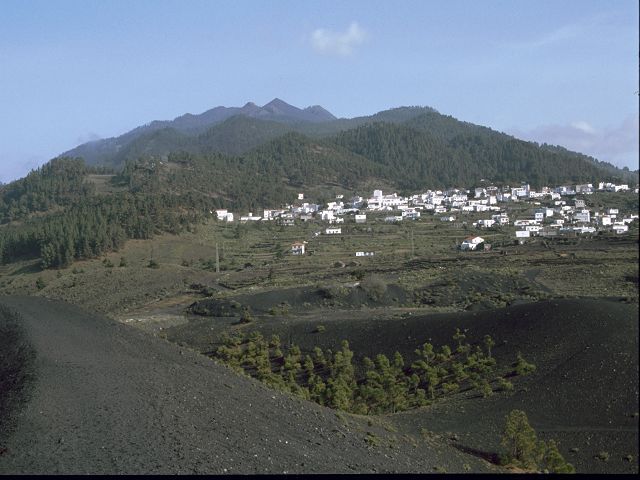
point(102, 397)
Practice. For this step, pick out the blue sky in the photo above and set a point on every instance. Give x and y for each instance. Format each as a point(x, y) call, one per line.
point(561, 71)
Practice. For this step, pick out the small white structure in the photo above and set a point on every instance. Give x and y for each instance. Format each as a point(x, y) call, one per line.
point(365, 254)
point(361, 218)
point(500, 219)
point(471, 243)
point(297, 248)
point(250, 218)
point(224, 215)
point(486, 223)
point(333, 231)
point(620, 228)
point(327, 215)
point(523, 233)
point(582, 216)
point(301, 196)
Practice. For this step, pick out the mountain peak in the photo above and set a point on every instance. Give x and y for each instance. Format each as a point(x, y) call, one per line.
point(319, 113)
point(280, 107)
point(276, 102)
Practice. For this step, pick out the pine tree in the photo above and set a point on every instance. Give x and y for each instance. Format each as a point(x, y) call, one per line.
point(520, 440)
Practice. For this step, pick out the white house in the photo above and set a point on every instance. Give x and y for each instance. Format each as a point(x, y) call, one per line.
point(327, 215)
point(486, 223)
point(471, 243)
point(297, 248)
point(586, 188)
point(582, 216)
point(333, 231)
point(361, 218)
point(500, 219)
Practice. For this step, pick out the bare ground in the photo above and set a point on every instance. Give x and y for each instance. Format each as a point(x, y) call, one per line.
point(102, 397)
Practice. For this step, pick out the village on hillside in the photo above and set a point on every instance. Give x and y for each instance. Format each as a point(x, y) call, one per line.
point(553, 212)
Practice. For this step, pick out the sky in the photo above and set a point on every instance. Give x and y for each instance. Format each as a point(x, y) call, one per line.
point(557, 71)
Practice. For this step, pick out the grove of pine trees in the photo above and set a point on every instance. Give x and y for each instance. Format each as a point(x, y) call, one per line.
point(372, 386)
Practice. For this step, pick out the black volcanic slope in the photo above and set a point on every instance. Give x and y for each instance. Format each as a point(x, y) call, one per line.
point(584, 392)
point(96, 396)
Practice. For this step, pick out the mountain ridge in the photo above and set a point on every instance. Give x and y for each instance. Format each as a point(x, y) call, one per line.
point(423, 140)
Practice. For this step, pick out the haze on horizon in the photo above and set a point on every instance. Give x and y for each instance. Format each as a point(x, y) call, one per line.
point(557, 72)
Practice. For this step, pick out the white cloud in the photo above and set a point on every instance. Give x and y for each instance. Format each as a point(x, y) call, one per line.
point(584, 127)
point(617, 145)
point(338, 43)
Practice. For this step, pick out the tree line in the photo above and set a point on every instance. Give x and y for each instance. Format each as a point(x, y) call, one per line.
point(373, 386)
point(77, 223)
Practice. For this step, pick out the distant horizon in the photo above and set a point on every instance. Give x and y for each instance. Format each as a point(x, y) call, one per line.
point(97, 138)
point(561, 73)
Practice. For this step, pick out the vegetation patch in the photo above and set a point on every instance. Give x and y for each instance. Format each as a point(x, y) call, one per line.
point(373, 386)
point(524, 450)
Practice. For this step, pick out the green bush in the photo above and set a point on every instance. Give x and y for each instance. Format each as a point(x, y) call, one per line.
point(523, 449)
point(522, 367)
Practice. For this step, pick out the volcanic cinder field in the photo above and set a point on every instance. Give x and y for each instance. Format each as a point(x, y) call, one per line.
point(85, 394)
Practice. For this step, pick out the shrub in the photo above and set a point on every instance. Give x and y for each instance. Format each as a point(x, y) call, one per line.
point(246, 316)
point(153, 264)
point(40, 283)
point(522, 367)
point(505, 384)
